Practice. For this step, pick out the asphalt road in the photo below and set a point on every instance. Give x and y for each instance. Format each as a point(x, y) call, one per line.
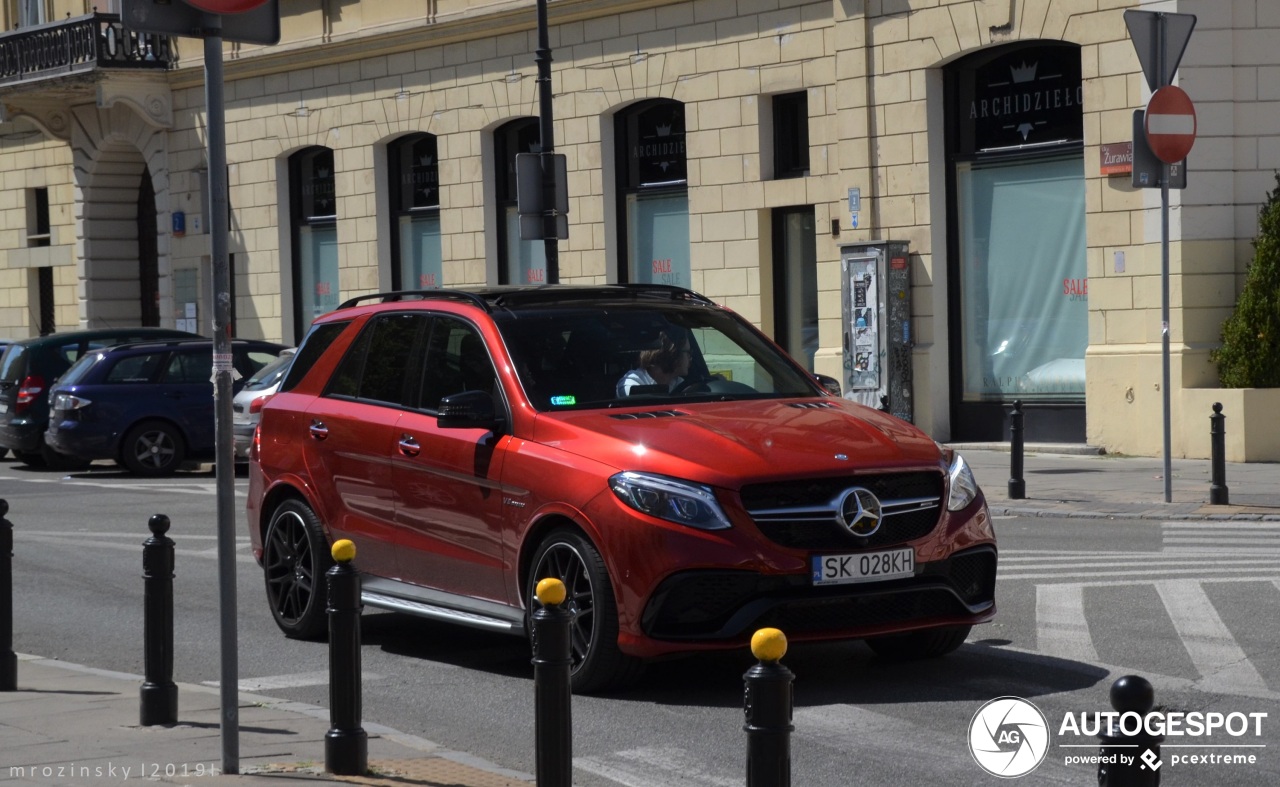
point(1190, 606)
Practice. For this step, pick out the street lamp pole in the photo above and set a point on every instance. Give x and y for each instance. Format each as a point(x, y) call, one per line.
point(548, 140)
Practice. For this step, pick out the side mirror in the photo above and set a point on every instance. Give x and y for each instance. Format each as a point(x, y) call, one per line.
point(467, 410)
point(831, 384)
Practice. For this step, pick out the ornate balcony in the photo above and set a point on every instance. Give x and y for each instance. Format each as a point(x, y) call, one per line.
point(78, 45)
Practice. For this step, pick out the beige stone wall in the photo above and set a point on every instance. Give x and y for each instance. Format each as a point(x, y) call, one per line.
point(358, 75)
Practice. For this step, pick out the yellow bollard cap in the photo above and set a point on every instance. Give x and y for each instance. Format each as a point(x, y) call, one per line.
point(343, 551)
point(550, 591)
point(769, 644)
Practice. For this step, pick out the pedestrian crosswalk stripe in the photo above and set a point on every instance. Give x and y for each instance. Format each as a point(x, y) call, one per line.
point(1061, 626)
point(1221, 662)
point(656, 766)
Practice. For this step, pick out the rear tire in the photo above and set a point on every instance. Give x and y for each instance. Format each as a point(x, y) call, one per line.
point(919, 644)
point(153, 448)
point(30, 459)
point(295, 559)
point(598, 664)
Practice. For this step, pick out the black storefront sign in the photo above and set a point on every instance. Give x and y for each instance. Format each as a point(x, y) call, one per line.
point(318, 184)
point(1020, 97)
point(419, 168)
point(657, 151)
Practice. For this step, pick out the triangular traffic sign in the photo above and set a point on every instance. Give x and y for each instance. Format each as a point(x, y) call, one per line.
point(1144, 30)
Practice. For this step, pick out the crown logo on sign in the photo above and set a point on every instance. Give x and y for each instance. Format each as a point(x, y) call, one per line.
point(1024, 72)
point(322, 172)
point(664, 131)
point(425, 161)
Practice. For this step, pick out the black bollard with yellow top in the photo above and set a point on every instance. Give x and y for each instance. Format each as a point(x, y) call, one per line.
point(552, 659)
point(769, 699)
point(346, 745)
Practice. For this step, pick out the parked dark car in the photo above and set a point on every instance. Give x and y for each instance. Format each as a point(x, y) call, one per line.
point(148, 406)
point(30, 366)
point(473, 442)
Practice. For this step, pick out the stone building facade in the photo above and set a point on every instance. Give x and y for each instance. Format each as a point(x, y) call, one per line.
point(713, 144)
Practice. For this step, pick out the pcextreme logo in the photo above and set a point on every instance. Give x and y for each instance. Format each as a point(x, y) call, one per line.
point(1009, 737)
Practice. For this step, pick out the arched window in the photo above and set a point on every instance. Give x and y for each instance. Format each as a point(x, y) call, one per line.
point(413, 166)
point(653, 196)
point(314, 221)
point(519, 261)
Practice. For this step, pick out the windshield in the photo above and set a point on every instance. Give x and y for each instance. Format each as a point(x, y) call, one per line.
point(619, 355)
point(270, 374)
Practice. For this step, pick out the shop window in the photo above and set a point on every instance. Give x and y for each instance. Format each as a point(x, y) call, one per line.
point(413, 166)
point(791, 135)
point(315, 235)
point(519, 261)
point(38, 217)
point(653, 202)
point(795, 283)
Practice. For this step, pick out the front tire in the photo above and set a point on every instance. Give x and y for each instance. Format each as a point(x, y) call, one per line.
point(153, 448)
point(915, 645)
point(598, 664)
point(295, 558)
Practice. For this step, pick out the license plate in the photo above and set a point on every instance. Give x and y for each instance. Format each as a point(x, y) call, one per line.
point(866, 567)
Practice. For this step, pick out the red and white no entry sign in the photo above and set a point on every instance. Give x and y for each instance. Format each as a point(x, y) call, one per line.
point(1171, 124)
point(226, 6)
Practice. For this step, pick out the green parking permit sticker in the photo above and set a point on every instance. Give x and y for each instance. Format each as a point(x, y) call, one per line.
point(564, 401)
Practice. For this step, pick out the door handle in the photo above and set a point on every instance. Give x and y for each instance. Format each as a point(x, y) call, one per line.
point(409, 446)
point(318, 430)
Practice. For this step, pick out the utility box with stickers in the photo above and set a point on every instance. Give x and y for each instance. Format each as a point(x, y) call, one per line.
point(876, 314)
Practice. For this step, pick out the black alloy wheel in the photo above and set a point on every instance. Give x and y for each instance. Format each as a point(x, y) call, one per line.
point(593, 633)
point(153, 448)
point(295, 557)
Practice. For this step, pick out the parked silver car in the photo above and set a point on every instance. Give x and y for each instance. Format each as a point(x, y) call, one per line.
point(246, 407)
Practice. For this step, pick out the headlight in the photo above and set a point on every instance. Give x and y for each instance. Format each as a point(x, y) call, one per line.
point(963, 486)
point(670, 499)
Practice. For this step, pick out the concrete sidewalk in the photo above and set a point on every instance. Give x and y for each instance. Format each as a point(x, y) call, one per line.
point(1075, 481)
point(73, 725)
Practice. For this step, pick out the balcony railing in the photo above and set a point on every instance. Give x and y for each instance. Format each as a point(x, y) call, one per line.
point(78, 44)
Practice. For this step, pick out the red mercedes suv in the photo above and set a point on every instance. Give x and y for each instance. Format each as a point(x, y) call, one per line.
point(685, 478)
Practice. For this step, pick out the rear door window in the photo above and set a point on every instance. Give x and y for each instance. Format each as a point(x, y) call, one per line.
point(136, 368)
point(13, 365)
point(189, 367)
point(377, 366)
point(313, 346)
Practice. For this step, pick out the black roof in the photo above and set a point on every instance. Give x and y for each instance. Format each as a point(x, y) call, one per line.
point(491, 298)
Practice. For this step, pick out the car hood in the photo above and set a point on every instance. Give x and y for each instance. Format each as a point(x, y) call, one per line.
point(729, 444)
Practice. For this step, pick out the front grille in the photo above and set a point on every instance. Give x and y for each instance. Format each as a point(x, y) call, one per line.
point(803, 514)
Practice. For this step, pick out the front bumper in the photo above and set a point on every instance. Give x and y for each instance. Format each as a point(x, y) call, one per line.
point(22, 435)
point(728, 606)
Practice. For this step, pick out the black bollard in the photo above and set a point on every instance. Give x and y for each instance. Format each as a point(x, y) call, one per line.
point(158, 699)
point(1017, 485)
point(1130, 756)
point(346, 745)
point(1218, 493)
point(769, 699)
point(553, 710)
point(8, 659)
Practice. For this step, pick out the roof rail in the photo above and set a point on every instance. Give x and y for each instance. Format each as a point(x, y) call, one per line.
point(571, 292)
point(425, 295)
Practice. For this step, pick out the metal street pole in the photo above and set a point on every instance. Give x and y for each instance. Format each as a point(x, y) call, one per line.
point(224, 466)
point(1161, 45)
point(547, 133)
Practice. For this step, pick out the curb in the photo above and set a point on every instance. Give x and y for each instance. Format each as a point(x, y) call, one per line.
point(1049, 513)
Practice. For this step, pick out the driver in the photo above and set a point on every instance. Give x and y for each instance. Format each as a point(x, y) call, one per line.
point(666, 364)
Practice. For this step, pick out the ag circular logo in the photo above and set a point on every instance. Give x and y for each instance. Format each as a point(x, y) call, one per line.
point(1009, 737)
